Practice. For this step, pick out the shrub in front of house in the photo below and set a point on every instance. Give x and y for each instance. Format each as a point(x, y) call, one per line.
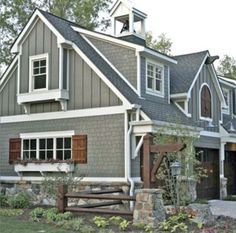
point(3, 200)
point(19, 201)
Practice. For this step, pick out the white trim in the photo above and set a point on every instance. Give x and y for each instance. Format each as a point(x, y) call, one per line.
point(43, 95)
point(110, 64)
point(179, 96)
point(139, 48)
point(185, 110)
point(153, 91)
point(200, 102)
point(227, 83)
point(101, 75)
point(85, 179)
point(138, 73)
point(226, 108)
point(31, 82)
point(8, 71)
point(37, 13)
point(168, 85)
point(210, 134)
point(64, 115)
point(60, 67)
point(49, 134)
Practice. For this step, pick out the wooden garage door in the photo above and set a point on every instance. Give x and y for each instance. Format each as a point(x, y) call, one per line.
point(208, 188)
point(230, 171)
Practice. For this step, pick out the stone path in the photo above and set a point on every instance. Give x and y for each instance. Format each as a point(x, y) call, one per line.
point(225, 208)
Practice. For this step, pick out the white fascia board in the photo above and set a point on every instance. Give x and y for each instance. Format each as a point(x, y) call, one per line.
point(210, 134)
point(85, 179)
point(110, 64)
point(196, 76)
point(107, 38)
point(179, 96)
point(49, 134)
point(227, 83)
point(9, 69)
point(114, 7)
point(37, 13)
point(158, 55)
point(227, 80)
point(91, 112)
point(101, 75)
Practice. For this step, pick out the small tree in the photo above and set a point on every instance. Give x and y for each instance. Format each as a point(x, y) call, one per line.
point(227, 67)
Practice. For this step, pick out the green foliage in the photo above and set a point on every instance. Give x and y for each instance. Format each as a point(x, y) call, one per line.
point(19, 201)
point(162, 44)
point(100, 221)
point(3, 200)
point(230, 198)
point(15, 14)
point(74, 224)
point(116, 220)
point(145, 227)
point(51, 215)
point(227, 67)
point(37, 214)
point(124, 225)
point(10, 212)
point(106, 231)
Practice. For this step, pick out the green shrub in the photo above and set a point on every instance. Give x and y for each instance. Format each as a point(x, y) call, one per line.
point(124, 225)
point(10, 212)
point(19, 201)
point(100, 221)
point(37, 214)
point(143, 226)
point(3, 200)
point(74, 225)
point(116, 220)
point(51, 215)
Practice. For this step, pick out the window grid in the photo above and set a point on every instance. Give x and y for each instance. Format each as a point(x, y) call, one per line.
point(154, 77)
point(47, 148)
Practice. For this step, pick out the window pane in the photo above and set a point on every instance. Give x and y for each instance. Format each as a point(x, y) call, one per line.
point(50, 143)
point(36, 64)
point(67, 143)
point(32, 154)
point(50, 154)
point(42, 70)
point(43, 63)
point(67, 154)
point(40, 82)
point(60, 154)
point(59, 143)
point(150, 83)
point(25, 155)
point(42, 143)
point(26, 145)
point(33, 144)
point(36, 71)
point(42, 155)
point(158, 85)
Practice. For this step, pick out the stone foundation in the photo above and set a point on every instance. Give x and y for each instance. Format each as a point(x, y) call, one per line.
point(149, 208)
point(223, 187)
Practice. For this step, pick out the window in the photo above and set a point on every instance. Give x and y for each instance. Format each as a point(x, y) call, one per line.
point(227, 98)
point(39, 72)
point(47, 148)
point(155, 78)
point(205, 101)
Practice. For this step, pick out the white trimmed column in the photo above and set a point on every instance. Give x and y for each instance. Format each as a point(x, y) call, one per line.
point(223, 180)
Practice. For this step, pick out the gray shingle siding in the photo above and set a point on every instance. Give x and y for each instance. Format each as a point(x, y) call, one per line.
point(105, 142)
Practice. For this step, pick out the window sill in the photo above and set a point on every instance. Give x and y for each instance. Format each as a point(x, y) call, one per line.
point(41, 96)
point(44, 166)
point(206, 119)
point(155, 93)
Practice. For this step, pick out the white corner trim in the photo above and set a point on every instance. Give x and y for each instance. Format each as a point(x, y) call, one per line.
point(210, 134)
point(64, 115)
point(179, 96)
point(48, 134)
point(138, 73)
point(8, 71)
point(101, 75)
point(110, 64)
point(185, 112)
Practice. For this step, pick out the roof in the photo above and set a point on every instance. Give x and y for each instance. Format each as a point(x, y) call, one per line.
point(183, 74)
point(228, 81)
point(156, 111)
point(227, 119)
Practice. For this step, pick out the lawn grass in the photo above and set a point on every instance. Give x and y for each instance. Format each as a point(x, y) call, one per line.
point(13, 225)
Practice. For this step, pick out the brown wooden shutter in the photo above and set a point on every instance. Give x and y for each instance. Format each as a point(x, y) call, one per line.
point(79, 148)
point(14, 149)
point(205, 102)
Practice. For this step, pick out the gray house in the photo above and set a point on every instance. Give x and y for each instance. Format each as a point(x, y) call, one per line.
point(75, 99)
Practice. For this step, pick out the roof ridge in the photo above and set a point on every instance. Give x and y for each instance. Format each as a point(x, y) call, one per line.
point(188, 54)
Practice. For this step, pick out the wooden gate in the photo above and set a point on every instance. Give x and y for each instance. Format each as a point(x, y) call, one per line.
point(209, 186)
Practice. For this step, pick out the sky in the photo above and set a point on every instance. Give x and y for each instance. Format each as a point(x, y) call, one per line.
point(194, 25)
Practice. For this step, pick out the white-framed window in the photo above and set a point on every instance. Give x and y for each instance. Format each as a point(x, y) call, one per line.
point(154, 78)
point(47, 145)
point(38, 72)
point(226, 94)
point(205, 102)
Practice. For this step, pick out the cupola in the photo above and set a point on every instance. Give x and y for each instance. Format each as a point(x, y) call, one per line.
point(127, 20)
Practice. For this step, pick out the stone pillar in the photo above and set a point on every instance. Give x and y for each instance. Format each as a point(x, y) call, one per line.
point(188, 189)
point(223, 187)
point(149, 208)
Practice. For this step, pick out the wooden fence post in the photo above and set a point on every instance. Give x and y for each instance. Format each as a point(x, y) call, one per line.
point(147, 142)
point(62, 200)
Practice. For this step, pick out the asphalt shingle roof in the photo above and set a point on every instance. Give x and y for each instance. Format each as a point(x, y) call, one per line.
point(183, 73)
point(156, 111)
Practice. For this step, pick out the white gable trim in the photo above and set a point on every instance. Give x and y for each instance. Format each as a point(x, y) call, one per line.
point(110, 64)
point(227, 83)
point(8, 71)
point(37, 13)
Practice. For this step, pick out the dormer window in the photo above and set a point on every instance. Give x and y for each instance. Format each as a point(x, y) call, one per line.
point(39, 72)
point(205, 103)
point(155, 78)
point(227, 97)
